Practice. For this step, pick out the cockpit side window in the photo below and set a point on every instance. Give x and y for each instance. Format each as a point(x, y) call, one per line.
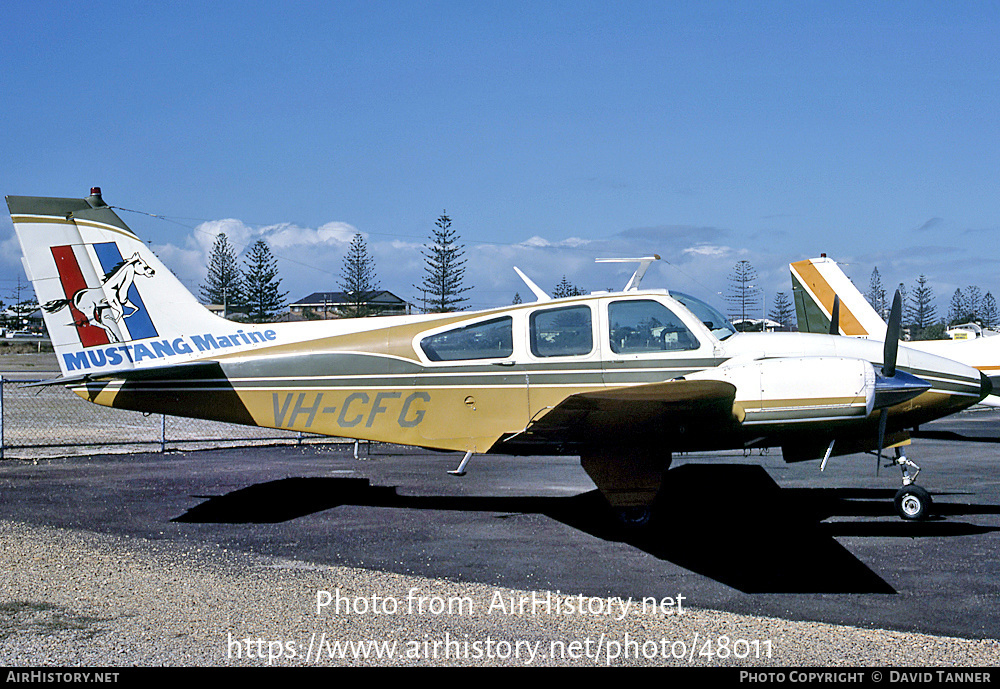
point(644, 325)
point(566, 331)
point(711, 317)
point(486, 340)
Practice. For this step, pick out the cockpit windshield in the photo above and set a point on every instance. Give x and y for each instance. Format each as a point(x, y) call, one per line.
point(713, 319)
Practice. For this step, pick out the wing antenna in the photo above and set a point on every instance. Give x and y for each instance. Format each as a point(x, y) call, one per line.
point(540, 294)
point(633, 283)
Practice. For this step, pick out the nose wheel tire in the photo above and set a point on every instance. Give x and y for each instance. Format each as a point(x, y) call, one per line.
point(913, 503)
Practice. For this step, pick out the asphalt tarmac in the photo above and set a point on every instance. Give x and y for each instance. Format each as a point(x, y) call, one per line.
point(743, 534)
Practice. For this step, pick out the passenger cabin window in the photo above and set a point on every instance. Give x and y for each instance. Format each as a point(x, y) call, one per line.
point(644, 325)
point(487, 340)
point(565, 331)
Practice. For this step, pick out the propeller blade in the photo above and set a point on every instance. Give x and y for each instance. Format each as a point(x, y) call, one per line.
point(835, 316)
point(892, 333)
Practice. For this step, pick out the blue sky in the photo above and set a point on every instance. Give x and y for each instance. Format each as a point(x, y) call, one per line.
point(552, 133)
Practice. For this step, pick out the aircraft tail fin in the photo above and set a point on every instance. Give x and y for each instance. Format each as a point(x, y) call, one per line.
point(108, 302)
point(816, 284)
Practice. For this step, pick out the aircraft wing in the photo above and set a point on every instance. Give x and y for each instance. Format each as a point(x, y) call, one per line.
point(636, 414)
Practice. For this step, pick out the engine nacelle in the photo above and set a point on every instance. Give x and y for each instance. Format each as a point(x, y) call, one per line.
point(798, 390)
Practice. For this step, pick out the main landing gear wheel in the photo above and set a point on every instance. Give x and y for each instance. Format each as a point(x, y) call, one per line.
point(913, 502)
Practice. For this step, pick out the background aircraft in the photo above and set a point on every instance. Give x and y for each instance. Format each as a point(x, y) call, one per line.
point(621, 379)
point(818, 282)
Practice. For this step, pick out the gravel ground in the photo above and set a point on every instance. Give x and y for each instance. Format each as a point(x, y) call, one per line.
point(72, 598)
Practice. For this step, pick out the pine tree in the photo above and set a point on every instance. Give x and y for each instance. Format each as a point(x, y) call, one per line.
point(261, 284)
point(781, 311)
point(741, 297)
point(22, 310)
point(973, 302)
point(566, 289)
point(922, 310)
point(223, 284)
point(358, 280)
point(988, 312)
point(876, 293)
point(444, 269)
point(959, 310)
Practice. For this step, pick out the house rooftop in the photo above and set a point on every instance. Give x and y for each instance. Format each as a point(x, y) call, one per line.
point(332, 298)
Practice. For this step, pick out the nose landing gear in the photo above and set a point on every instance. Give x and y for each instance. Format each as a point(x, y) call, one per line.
point(912, 502)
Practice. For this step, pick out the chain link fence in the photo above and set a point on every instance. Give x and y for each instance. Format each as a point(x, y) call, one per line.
point(52, 421)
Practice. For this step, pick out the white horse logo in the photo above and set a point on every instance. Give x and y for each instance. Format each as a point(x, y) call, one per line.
point(104, 305)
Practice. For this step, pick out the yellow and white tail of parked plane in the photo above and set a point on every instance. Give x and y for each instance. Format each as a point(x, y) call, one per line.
point(816, 282)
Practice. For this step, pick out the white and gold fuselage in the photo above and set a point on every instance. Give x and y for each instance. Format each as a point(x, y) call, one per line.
point(375, 380)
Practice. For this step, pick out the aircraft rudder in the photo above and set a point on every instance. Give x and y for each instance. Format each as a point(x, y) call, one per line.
point(98, 285)
point(816, 282)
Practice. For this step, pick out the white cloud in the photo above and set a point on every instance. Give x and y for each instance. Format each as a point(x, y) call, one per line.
point(335, 234)
point(237, 232)
point(542, 242)
point(309, 259)
point(709, 250)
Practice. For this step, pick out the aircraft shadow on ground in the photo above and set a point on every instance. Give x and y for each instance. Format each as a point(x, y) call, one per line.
point(731, 523)
point(956, 437)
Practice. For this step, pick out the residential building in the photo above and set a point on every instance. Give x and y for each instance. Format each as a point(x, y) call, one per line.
point(328, 305)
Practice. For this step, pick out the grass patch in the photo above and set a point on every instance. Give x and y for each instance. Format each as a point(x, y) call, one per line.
point(29, 617)
point(23, 346)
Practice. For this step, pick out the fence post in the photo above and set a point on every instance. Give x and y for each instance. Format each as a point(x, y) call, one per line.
point(163, 433)
point(1, 416)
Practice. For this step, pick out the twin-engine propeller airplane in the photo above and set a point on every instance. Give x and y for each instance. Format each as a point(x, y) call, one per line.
point(621, 379)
